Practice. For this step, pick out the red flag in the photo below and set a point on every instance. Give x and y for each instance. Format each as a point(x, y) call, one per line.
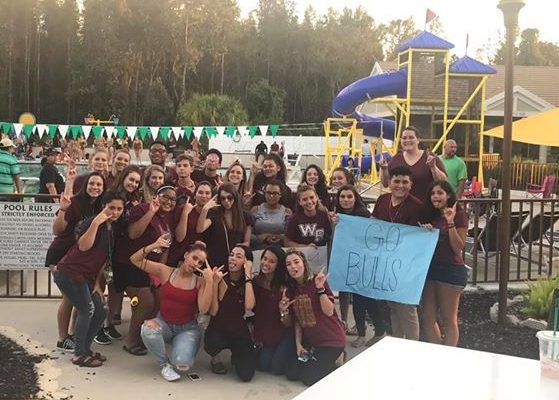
point(429, 16)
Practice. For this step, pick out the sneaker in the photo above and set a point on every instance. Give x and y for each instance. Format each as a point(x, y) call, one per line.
point(169, 374)
point(351, 331)
point(67, 344)
point(359, 342)
point(102, 337)
point(112, 333)
point(117, 319)
point(375, 340)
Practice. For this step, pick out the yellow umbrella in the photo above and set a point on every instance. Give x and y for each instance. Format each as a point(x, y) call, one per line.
point(541, 129)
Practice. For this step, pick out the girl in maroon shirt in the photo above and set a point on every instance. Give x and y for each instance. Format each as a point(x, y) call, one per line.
point(147, 222)
point(183, 295)
point(79, 276)
point(319, 334)
point(447, 275)
point(272, 328)
point(228, 329)
point(314, 176)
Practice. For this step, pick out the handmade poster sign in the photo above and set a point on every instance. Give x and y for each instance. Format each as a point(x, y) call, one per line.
point(379, 259)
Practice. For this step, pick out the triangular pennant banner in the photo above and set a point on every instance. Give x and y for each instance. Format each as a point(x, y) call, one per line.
point(86, 129)
point(230, 131)
point(6, 127)
point(75, 131)
point(164, 131)
point(263, 129)
point(28, 130)
point(120, 131)
point(97, 131)
point(143, 131)
point(63, 129)
point(154, 131)
point(210, 131)
point(187, 132)
point(52, 130)
point(252, 130)
point(18, 128)
point(110, 131)
point(131, 131)
point(274, 130)
point(177, 131)
point(197, 131)
point(41, 129)
point(220, 130)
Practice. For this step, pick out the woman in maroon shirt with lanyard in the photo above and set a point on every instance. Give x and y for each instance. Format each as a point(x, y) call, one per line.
point(447, 275)
point(79, 275)
point(272, 328)
point(183, 295)
point(425, 167)
point(319, 334)
point(147, 222)
point(228, 329)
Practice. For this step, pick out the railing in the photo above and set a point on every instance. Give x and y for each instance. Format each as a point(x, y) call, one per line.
point(522, 173)
point(534, 247)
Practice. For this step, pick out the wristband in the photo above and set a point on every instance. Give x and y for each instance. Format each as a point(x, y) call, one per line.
point(450, 226)
point(63, 209)
point(320, 292)
point(248, 279)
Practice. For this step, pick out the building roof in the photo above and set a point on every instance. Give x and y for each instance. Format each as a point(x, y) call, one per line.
point(467, 65)
point(425, 40)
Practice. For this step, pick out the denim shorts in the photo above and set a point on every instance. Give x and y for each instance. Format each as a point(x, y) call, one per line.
point(455, 275)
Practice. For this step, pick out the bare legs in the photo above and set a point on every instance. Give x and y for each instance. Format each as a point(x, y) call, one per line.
point(440, 300)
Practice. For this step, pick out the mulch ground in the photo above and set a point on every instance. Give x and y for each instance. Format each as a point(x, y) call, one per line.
point(478, 332)
point(18, 379)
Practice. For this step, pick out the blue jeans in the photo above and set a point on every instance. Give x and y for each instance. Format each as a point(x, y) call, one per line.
point(91, 311)
point(275, 359)
point(185, 340)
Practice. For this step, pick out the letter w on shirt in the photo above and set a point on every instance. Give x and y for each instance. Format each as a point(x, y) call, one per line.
point(309, 230)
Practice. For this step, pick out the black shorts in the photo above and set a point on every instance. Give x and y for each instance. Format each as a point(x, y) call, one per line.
point(455, 275)
point(128, 275)
point(54, 255)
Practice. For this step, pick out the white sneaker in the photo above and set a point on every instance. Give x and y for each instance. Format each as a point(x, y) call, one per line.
point(169, 374)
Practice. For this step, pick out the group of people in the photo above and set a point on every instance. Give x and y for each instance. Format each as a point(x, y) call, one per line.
point(179, 242)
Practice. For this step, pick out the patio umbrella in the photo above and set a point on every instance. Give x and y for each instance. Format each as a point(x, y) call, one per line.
point(540, 129)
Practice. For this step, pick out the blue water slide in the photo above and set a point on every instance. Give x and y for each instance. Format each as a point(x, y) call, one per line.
point(371, 87)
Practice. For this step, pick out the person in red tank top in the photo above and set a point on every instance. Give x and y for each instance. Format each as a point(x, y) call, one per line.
point(232, 297)
point(272, 323)
point(319, 333)
point(183, 295)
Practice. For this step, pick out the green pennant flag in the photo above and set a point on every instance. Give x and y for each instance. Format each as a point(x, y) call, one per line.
point(210, 131)
point(187, 132)
point(120, 131)
point(6, 127)
point(52, 130)
point(274, 129)
point(75, 131)
point(28, 130)
point(164, 132)
point(144, 131)
point(230, 131)
point(252, 131)
point(97, 131)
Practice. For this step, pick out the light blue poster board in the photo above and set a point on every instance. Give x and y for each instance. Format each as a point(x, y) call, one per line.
point(379, 259)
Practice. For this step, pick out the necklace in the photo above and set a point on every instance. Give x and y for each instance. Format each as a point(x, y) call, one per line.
point(390, 207)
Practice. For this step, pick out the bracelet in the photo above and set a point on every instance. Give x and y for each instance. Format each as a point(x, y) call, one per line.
point(450, 226)
point(248, 279)
point(63, 209)
point(320, 292)
point(284, 314)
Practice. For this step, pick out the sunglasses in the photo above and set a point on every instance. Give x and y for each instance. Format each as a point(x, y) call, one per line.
point(227, 197)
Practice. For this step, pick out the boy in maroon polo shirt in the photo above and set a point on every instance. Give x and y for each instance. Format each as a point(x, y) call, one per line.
point(400, 207)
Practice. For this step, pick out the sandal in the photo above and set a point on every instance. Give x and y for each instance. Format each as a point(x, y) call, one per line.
point(135, 350)
point(98, 356)
point(87, 361)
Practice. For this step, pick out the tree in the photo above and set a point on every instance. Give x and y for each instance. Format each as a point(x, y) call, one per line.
point(265, 103)
point(212, 109)
point(395, 33)
point(529, 49)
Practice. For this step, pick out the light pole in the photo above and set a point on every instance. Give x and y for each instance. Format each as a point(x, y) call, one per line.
point(510, 9)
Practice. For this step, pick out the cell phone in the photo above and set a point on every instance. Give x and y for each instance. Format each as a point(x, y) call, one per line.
point(194, 377)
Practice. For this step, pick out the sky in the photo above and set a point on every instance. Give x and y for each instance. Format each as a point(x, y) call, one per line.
point(481, 19)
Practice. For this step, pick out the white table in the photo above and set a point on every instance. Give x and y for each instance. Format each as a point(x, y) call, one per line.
point(404, 369)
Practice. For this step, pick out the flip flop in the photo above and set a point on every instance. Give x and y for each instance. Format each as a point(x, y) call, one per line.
point(87, 361)
point(135, 350)
point(98, 356)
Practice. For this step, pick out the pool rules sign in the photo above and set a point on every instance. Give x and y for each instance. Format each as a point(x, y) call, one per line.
point(25, 234)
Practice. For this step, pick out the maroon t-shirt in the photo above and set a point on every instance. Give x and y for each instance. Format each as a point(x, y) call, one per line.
point(268, 328)
point(318, 329)
point(421, 173)
point(407, 212)
point(306, 230)
point(84, 266)
point(184, 195)
point(158, 225)
point(230, 315)
point(444, 254)
point(177, 249)
point(72, 216)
